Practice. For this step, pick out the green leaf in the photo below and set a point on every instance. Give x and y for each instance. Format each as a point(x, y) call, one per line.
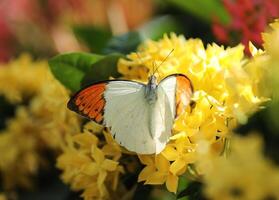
point(204, 9)
point(182, 184)
point(193, 189)
point(124, 44)
point(156, 28)
point(70, 68)
point(93, 37)
point(102, 70)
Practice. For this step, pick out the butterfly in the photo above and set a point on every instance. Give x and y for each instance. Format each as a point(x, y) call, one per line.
point(140, 116)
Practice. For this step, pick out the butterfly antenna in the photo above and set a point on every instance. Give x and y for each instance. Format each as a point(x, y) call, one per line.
point(164, 60)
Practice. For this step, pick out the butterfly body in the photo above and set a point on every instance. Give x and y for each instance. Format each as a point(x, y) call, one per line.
point(151, 90)
point(140, 116)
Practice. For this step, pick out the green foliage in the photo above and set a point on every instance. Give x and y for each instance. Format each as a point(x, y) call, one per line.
point(156, 28)
point(93, 37)
point(102, 70)
point(101, 41)
point(193, 192)
point(204, 9)
point(125, 43)
point(70, 68)
point(76, 70)
point(182, 184)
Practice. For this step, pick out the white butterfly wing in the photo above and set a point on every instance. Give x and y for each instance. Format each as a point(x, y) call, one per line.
point(138, 126)
point(163, 113)
point(174, 94)
point(127, 114)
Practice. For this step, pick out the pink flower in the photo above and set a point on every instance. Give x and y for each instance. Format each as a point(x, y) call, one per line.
point(5, 39)
point(248, 19)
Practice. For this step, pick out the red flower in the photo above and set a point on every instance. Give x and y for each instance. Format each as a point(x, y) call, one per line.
point(6, 38)
point(248, 19)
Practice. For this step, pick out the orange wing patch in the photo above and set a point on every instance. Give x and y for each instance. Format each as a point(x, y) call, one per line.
point(183, 94)
point(90, 102)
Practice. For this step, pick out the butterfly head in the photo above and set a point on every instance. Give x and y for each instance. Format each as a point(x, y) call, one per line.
point(152, 80)
point(151, 90)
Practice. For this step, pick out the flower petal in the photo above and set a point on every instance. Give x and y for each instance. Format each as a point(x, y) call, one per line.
point(146, 159)
point(162, 164)
point(110, 150)
point(146, 172)
point(170, 153)
point(181, 144)
point(190, 157)
point(177, 165)
point(86, 140)
point(172, 183)
point(157, 178)
point(101, 178)
point(92, 127)
point(90, 169)
point(109, 165)
point(100, 183)
point(97, 154)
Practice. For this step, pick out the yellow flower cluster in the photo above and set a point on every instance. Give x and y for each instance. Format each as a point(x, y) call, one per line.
point(91, 164)
point(270, 39)
point(264, 65)
point(224, 96)
point(158, 168)
point(245, 174)
point(40, 121)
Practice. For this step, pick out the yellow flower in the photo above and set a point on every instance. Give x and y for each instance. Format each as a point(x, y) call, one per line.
point(90, 164)
point(157, 172)
point(244, 174)
point(269, 66)
point(100, 167)
point(21, 78)
point(40, 121)
point(182, 153)
point(111, 147)
point(224, 95)
point(270, 39)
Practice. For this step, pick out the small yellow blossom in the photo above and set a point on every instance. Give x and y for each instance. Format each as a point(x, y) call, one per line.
point(157, 172)
point(21, 78)
point(182, 153)
point(90, 164)
point(270, 40)
point(244, 174)
point(40, 121)
point(111, 147)
point(270, 62)
point(225, 94)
